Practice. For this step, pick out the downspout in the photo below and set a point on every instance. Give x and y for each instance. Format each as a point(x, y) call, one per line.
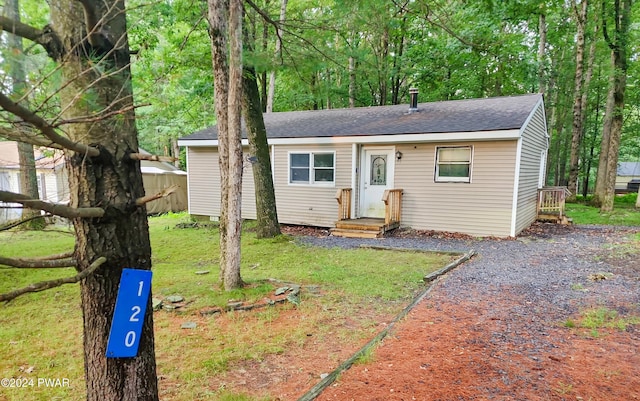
point(354, 178)
point(516, 185)
point(188, 180)
point(273, 164)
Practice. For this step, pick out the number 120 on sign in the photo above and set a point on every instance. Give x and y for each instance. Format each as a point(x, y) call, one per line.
point(128, 316)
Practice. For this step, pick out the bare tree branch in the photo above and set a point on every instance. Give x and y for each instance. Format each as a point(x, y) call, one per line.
point(45, 285)
point(17, 223)
point(23, 135)
point(44, 37)
point(63, 255)
point(164, 193)
point(153, 158)
point(37, 263)
point(100, 116)
point(53, 208)
point(47, 129)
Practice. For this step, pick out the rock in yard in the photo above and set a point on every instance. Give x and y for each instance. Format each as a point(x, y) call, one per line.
point(175, 298)
point(188, 325)
point(157, 303)
point(294, 299)
point(282, 290)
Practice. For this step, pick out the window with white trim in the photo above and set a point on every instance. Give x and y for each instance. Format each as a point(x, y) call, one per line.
point(453, 164)
point(312, 168)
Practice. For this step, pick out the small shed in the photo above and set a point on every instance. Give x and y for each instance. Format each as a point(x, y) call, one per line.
point(627, 172)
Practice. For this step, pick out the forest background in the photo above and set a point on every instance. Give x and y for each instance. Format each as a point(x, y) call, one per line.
point(320, 54)
point(366, 53)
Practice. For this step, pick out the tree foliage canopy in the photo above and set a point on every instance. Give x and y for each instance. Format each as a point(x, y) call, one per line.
point(447, 49)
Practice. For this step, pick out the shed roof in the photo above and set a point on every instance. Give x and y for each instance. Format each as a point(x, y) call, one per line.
point(473, 115)
point(628, 169)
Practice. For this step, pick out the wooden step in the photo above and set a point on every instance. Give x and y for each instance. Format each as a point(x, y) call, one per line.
point(360, 227)
point(362, 224)
point(352, 233)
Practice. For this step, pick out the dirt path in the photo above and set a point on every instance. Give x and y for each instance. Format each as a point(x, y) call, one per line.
point(496, 328)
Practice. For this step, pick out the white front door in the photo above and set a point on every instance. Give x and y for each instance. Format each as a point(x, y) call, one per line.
point(377, 176)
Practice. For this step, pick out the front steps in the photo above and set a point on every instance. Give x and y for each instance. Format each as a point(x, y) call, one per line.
point(362, 228)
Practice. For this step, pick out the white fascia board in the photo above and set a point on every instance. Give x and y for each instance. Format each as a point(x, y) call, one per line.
point(197, 142)
point(402, 138)
point(378, 139)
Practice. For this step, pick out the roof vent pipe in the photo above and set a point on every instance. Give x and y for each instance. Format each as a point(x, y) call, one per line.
point(413, 99)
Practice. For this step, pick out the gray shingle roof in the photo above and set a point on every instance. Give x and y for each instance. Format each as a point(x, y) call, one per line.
point(628, 169)
point(500, 113)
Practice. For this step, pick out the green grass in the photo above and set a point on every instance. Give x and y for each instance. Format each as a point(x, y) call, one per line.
point(41, 333)
point(624, 213)
point(596, 319)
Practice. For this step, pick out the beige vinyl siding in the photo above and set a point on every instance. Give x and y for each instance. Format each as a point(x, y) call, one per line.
point(622, 181)
point(61, 185)
point(10, 179)
point(482, 207)
point(534, 142)
point(50, 186)
point(310, 204)
point(204, 183)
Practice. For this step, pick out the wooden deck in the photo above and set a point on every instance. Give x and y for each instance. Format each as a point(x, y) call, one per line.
point(551, 204)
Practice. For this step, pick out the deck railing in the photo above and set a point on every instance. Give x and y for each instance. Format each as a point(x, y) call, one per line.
point(392, 199)
point(343, 196)
point(551, 200)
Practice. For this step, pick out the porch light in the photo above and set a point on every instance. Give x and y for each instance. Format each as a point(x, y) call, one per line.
point(398, 155)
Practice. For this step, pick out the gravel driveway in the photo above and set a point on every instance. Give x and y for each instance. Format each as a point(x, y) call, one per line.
point(512, 301)
point(550, 265)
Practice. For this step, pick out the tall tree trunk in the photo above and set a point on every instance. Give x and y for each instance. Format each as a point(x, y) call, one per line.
point(263, 75)
point(112, 181)
point(542, 49)
point(225, 22)
point(601, 175)
point(396, 80)
point(577, 128)
point(352, 82)
point(267, 215)
point(619, 49)
point(175, 152)
point(26, 159)
point(218, 16)
point(584, 103)
point(29, 184)
point(232, 279)
point(278, 52)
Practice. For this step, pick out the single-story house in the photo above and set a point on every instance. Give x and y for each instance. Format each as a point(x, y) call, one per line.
point(157, 176)
point(467, 166)
point(627, 171)
point(53, 185)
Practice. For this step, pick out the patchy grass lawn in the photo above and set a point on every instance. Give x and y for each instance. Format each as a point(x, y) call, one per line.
point(623, 214)
point(354, 293)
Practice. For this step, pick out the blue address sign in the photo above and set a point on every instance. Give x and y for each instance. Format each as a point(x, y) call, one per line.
point(128, 316)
